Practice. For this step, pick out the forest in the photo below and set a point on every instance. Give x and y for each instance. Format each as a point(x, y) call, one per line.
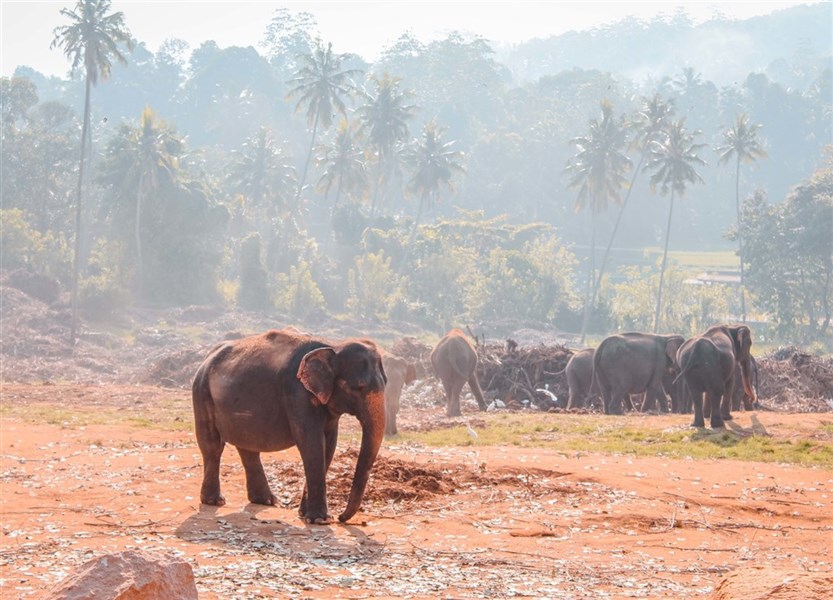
point(582, 182)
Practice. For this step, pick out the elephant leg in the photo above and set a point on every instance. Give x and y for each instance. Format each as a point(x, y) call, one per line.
point(330, 439)
point(617, 396)
point(713, 397)
point(453, 409)
point(697, 403)
point(658, 402)
point(725, 406)
point(211, 447)
point(447, 388)
point(313, 507)
point(257, 486)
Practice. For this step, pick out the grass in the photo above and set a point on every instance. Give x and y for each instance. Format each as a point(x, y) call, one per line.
point(637, 436)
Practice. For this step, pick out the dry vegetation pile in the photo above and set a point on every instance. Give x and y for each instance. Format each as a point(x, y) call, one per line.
point(793, 381)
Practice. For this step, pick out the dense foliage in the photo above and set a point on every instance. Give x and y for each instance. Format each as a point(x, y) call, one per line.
point(442, 184)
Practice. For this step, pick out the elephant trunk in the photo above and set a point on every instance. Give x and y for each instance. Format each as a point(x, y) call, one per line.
point(746, 371)
point(372, 420)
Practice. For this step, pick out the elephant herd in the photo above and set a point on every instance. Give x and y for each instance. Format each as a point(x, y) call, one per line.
point(286, 388)
point(711, 373)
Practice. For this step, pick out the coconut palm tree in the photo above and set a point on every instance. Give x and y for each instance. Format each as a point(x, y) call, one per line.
point(321, 86)
point(384, 122)
point(91, 40)
point(434, 162)
point(647, 125)
point(142, 167)
point(342, 162)
point(740, 141)
point(673, 161)
point(598, 172)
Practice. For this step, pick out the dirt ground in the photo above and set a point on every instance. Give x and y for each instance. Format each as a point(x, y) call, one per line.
point(462, 522)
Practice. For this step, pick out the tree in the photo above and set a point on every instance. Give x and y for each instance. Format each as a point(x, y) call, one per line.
point(673, 161)
point(384, 122)
point(321, 85)
point(91, 40)
point(434, 163)
point(598, 171)
point(740, 141)
point(342, 162)
point(142, 166)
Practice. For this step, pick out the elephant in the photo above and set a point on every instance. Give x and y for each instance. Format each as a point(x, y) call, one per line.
point(400, 373)
point(579, 373)
point(632, 363)
point(708, 363)
point(454, 361)
point(284, 388)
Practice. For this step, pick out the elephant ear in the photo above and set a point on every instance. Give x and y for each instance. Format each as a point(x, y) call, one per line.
point(742, 337)
point(673, 344)
point(317, 374)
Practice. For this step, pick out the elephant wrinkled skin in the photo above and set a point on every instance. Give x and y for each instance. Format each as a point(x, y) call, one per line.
point(454, 360)
point(281, 389)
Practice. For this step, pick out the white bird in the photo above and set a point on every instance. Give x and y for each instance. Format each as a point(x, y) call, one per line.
point(471, 431)
point(547, 392)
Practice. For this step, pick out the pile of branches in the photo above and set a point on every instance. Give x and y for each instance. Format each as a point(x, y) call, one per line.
point(795, 381)
point(515, 375)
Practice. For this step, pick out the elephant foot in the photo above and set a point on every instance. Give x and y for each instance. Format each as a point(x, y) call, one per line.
point(267, 498)
point(213, 499)
point(325, 520)
point(727, 417)
point(453, 413)
point(718, 424)
point(698, 424)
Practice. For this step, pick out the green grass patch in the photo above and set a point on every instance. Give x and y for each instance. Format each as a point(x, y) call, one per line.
point(637, 436)
point(166, 415)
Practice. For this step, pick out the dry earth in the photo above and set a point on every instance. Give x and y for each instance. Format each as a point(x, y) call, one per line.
point(452, 522)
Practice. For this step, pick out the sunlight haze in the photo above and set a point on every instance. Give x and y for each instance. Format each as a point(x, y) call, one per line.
point(363, 28)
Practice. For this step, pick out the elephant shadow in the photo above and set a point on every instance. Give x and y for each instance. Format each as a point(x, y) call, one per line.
point(250, 530)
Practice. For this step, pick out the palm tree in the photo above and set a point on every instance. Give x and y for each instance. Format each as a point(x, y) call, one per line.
point(598, 171)
point(342, 161)
point(321, 86)
point(142, 165)
point(91, 39)
point(740, 141)
point(673, 161)
point(384, 121)
point(434, 163)
point(647, 125)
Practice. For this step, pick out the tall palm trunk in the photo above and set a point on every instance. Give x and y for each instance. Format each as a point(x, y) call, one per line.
point(412, 236)
point(590, 292)
point(76, 262)
point(309, 157)
point(740, 242)
point(616, 229)
point(664, 260)
point(137, 228)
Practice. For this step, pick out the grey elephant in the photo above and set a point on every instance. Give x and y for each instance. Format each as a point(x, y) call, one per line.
point(632, 363)
point(454, 361)
point(579, 374)
point(284, 388)
point(708, 363)
point(739, 395)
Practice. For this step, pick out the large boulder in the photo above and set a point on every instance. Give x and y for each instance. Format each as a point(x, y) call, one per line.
point(766, 583)
point(129, 575)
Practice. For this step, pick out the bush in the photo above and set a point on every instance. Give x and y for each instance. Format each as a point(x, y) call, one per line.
point(297, 293)
point(373, 286)
point(253, 293)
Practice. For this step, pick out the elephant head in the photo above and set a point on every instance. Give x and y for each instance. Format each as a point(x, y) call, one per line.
point(350, 379)
point(742, 340)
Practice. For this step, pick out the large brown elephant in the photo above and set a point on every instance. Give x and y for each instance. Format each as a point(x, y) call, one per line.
point(281, 389)
point(400, 372)
point(632, 363)
point(707, 364)
point(454, 360)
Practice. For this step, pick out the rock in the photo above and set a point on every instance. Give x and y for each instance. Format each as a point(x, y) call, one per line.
point(128, 575)
point(767, 583)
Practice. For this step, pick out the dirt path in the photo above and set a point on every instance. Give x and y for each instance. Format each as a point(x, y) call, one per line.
point(437, 522)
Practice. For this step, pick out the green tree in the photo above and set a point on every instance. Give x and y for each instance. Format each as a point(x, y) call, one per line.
point(384, 122)
point(342, 162)
point(673, 161)
point(741, 142)
point(91, 40)
point(598, 170)
point(321, 85)
point(253, 293)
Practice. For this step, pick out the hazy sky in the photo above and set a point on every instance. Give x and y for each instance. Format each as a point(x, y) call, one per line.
point(364, 28)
